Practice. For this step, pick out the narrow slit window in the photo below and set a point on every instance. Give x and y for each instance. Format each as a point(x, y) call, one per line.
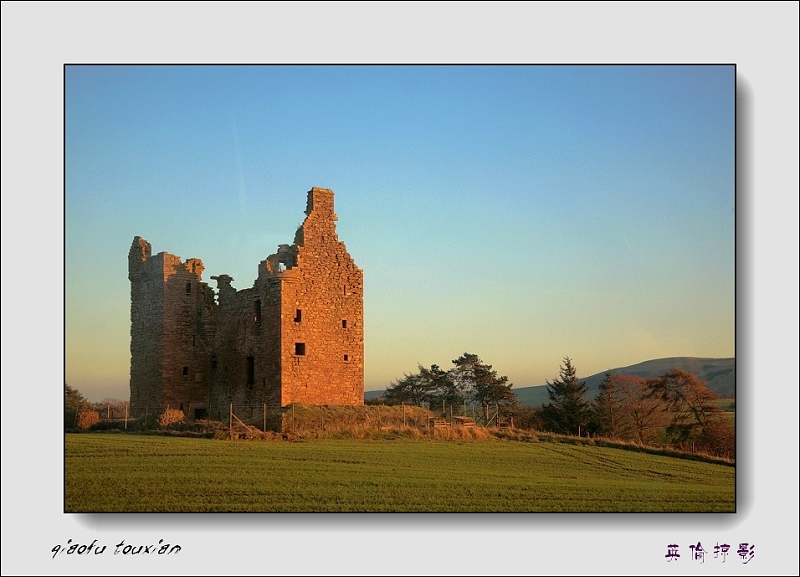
point(185, 372)
point(251, 372)
point(188, 288)
point(257, 311)
point(344, 323)
point(300, 349)
point(346, 358)
point(298, 315)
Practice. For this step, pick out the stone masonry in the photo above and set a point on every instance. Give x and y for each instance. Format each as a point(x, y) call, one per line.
point(296, 336)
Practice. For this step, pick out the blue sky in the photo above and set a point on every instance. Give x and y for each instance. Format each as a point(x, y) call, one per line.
point(522, 213)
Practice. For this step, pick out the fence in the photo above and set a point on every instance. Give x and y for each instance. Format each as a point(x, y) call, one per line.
point(483, 415)
point(300, 417)
point(244, 419)
point(89, 414)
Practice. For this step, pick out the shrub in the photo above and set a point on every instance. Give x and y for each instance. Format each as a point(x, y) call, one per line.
point(719, 439)
point(87, 418)
point(109, 426)
point(528, 418)
point(170, 417)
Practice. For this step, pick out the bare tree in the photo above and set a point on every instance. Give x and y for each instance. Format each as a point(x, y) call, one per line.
point(642, 413)
point(687, 400)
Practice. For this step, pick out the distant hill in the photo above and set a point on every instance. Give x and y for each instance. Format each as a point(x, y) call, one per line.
point(369, 395)
point(719, 374)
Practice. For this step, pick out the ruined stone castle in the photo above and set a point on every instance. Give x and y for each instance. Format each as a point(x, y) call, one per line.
point(296, 336)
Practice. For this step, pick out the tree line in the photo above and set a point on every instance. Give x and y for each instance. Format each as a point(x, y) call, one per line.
point(675, 408)
point(81, 413)
point(470, 380)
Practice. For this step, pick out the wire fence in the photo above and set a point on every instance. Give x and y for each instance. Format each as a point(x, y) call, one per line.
point(261, 418)
point(297, 417)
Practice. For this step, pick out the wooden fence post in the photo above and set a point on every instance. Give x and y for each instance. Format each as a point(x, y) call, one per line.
point(265, 418)
point(230, 421)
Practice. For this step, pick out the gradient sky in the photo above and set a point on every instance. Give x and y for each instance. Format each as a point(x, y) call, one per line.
point(522, 213)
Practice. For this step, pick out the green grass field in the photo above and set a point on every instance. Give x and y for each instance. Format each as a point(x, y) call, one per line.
point(127, 473)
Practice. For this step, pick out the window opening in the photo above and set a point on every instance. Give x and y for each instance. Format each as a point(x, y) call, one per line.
point(188, 288)
point(346, 358)
point(344, 323)
point(298, 315)
point(300, 349)
point(257, 311)
point(185, 372)
point(251, 372)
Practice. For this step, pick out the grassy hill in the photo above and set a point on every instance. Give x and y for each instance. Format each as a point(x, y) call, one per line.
point(719, 374)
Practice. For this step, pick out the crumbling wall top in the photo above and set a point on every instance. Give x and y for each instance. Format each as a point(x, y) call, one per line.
point(320, 202)
point(142, 261)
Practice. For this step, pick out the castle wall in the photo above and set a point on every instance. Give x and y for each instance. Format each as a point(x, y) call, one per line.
point(171, 328)
point(188, 303)
point(246, 363)
point(323, 345)
point(295, 336)
point(147, 327)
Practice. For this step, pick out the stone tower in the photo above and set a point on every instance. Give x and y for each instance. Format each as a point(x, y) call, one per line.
point(296, 336)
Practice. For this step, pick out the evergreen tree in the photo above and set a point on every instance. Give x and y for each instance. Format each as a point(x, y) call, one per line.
point(411, 389)
point(605, 408)
point(568, 411)
point(481, 382)
point(444, 390)
point(470, 379)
